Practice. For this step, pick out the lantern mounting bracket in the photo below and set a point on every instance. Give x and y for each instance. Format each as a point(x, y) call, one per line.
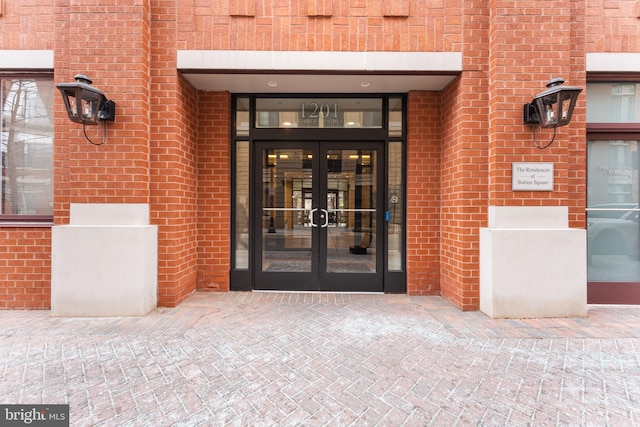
point(108, 111)
point(530, 115)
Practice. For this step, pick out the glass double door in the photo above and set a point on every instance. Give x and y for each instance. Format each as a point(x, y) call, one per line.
point(318, 216)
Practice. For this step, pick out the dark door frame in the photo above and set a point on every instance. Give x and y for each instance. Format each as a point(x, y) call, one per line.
point(318, 278)
point(395, 280)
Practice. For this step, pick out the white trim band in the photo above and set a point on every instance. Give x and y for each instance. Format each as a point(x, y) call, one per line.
point(613, 62)
point(26, 59)
point(413, 62)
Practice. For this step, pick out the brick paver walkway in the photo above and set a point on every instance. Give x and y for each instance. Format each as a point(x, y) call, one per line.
point(251, 359)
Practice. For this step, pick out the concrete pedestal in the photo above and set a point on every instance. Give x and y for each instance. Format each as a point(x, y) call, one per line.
point(105, 262)
point(532, 265)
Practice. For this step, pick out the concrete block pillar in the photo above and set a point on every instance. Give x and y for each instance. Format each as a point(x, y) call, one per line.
point(105, 262)
point(532, 265)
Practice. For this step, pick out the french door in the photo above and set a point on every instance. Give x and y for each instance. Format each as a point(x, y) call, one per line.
point(318, 216)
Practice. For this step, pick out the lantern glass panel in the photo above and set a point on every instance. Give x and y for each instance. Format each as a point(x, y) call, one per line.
point(89, 109)
point(567, 103)
point(83, 103)
point(90, 104)
point(73, 106)
point(547, 107)
point(556, 109)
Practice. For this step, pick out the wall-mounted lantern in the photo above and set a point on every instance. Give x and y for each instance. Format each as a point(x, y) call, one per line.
point(552, 107)
point(87, 105)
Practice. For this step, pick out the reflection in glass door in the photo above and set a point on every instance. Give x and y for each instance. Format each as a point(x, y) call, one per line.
point(287, 201)
point(318, 217)
point(350, 237)
point(612, 212)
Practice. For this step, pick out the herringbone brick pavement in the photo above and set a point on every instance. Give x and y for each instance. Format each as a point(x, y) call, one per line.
point(278, 359)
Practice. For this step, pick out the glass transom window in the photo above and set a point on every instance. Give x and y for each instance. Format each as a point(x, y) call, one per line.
point(314, 113)
point(613, 102)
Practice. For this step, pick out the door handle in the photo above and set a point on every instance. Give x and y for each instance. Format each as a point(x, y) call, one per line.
point(325, 215)
point(313, 224)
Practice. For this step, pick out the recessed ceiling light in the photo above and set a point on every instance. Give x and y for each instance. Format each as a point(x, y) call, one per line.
point(272, 84)
point(365, 84)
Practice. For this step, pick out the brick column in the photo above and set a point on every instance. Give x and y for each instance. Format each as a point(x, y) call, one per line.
point(214, 191)
point(109, 43)
point(530, 44)
point(100, 256)
point(464, 163)
point(532, 263)
point(173, 158)
point(423, 193)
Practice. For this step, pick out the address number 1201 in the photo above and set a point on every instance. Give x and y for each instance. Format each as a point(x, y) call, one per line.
point(313, 110)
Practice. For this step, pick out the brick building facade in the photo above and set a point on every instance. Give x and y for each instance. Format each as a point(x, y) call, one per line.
point(171, 145)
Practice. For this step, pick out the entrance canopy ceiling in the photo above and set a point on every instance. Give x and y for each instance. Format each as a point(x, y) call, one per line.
point(317, 72)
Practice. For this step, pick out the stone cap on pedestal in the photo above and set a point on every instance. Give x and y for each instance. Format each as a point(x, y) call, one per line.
point(109, 214)
point(528, 217)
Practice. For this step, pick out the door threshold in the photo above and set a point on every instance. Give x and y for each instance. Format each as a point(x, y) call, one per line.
point(266, 291)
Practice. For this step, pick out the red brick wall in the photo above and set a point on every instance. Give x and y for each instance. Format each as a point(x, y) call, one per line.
point(483, 131)
point(214, 175)
point(611, 25)
point(169, 145)
point(576, 134)
point(464, 163)
point(517, 73)
point(174, 189)
point(118, 171)
point(173, 180)
point(464, 187)
point(25, 253)
point(423, 193)
point(308, 25)
point(27, 25)
point(25, 268)
point(118, 63)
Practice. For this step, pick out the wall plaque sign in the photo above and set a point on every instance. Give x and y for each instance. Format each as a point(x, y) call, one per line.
point(532, 176)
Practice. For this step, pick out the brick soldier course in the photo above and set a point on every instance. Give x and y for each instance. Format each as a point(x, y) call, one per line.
point(325, 359)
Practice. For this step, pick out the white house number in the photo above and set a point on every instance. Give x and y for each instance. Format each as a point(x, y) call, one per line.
point(313, 110)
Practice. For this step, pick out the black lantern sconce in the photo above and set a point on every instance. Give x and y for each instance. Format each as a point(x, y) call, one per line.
point(551, 108)
point(87, 105)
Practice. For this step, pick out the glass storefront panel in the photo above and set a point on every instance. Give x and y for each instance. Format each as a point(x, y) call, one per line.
point(396, 118)
point(26, 148)
point(351, 205)
point(242, 117)
point(315, 113)
point(613, 102)
point(395, 190)
point(287, 210)
point(613, 228)
point(242, 206)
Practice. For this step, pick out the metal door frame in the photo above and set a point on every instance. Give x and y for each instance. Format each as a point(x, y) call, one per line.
point(318, 279)
point(242, 277)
